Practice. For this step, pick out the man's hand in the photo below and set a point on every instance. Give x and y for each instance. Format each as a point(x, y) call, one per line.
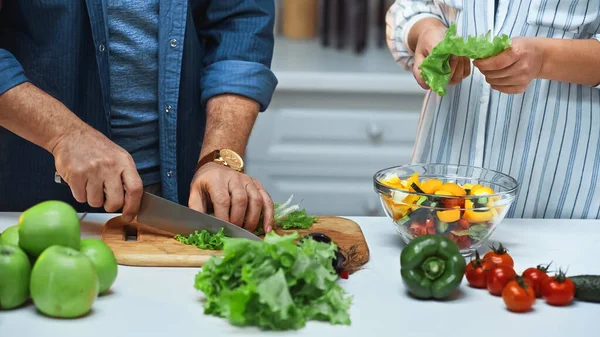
point(425, 35)
point(235, 197)
point(98, 171)
point(512, 70)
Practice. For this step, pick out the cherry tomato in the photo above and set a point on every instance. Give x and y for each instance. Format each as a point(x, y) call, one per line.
point(464, 224)
point(499, 256)
point(453, 202)
point(475, 273)
point(537, 277)
point(498, 277)
point(518, 295)
point(558, 290)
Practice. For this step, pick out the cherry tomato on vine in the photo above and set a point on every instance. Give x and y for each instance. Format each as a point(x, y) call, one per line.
point(518, 295)
point(558, 290)
point(537, 277)
point(498, 277)
point(475, 273)
point(499, 256)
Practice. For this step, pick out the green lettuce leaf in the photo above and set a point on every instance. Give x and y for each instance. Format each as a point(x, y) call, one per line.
point(203, 239)
point(274, 284)
point(435, 69)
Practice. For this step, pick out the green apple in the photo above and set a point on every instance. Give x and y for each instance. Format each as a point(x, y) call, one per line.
point(46, 224)
point(10, 236)
point(15, 271)
point(64, 282)
point(104, 260)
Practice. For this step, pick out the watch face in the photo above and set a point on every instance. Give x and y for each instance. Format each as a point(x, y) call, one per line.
point(232, 159)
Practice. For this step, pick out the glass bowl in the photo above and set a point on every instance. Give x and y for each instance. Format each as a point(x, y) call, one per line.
point(463, 203)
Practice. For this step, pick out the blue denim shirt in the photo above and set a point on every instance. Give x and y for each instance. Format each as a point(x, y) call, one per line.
point(206, 48)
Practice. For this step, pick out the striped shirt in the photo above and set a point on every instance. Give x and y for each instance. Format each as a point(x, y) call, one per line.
point(548, 138)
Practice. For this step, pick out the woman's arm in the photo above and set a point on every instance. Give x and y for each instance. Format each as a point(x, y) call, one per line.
point(571, 60)
point(401, 18)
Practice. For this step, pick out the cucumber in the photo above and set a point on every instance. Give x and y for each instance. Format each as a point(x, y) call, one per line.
point(441, 227)
point(421, 200)
point(587, 287)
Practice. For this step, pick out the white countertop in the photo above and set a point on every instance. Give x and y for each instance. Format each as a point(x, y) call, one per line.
point(163, 302)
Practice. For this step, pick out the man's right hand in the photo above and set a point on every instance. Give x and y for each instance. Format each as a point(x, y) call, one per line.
point(425, 35)
point(98, 171)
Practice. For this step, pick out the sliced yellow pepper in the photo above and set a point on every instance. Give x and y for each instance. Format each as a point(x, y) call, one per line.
point(449, 216)
point(454, 189)
point(484, 190)
point(431, 185)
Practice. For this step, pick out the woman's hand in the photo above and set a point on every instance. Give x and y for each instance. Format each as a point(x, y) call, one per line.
point(430, 33)
point(512, 70)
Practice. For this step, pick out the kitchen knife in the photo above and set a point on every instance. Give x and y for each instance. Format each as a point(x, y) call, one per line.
point(174, 218)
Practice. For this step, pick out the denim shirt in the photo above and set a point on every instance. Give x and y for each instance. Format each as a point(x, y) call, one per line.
point(206, 48)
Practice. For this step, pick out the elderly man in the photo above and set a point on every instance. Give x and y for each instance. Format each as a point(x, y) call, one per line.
point(118, 96)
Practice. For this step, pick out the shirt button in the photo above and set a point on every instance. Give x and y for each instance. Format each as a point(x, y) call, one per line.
point(169, 173)
point(102, 48)
point(173, 43)
point(168, 109)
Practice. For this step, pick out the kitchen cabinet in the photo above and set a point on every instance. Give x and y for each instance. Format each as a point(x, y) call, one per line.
point(335, 119)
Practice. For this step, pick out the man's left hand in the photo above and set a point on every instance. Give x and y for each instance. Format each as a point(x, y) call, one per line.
point(512, 70)
point(235, 197)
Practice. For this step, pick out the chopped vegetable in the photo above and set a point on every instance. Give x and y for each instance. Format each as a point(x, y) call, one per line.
point(431, 266)
point(274, 284)
point(463, 213)
point(587, 287)
point(203, 239)
point(286, 216)
point(435, 69)
point(289, 217)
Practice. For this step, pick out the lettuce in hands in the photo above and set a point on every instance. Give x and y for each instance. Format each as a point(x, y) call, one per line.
point(435, 69)
point(274, 284)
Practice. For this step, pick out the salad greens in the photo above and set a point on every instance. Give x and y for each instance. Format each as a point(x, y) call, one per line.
point(435, 69)
point(203, 239)
point(286, 216)
point(274, 284)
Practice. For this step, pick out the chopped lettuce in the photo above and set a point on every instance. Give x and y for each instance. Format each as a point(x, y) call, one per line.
point(203, 239)
point(274, 284)
point(286, 216)
point(435, 69)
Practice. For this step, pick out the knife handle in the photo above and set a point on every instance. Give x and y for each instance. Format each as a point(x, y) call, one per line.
point(59, 180)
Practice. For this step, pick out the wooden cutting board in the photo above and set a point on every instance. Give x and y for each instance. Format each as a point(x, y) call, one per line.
point(136, 244)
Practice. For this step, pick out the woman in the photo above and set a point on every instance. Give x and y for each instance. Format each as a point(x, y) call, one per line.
point(532, 111)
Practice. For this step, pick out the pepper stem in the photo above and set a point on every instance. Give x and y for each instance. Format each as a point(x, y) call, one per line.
point(433, 267)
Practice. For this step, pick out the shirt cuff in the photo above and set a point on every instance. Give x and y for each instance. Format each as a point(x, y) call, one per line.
point(250, 79)
point(11, 71)
point(597, 38)
point(408, 26)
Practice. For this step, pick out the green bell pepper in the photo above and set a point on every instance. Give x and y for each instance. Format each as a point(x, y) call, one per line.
point(432, 266)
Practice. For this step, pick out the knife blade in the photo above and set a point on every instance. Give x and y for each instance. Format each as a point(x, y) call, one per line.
point(174, 218)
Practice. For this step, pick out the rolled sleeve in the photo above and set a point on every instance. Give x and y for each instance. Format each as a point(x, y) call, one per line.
point(249, 79)
point(238, 39)
point(597, 38)
point(400, 18)
point(11, 71)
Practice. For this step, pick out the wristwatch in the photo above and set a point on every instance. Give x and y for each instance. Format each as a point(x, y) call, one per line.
point(225, 157)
